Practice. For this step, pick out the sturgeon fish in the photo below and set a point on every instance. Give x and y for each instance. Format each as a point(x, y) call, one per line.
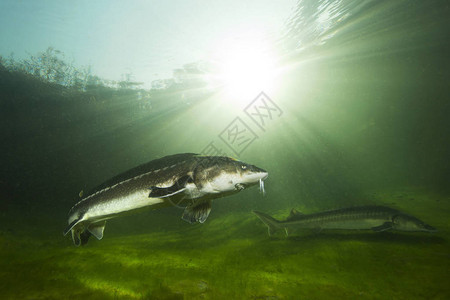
point(189, 179)
point(376, 218)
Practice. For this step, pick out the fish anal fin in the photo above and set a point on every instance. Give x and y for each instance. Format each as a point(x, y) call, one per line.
point(385, 226)
point(197, 212)
point(96, 229)
point(178, 187)
point(76, 238)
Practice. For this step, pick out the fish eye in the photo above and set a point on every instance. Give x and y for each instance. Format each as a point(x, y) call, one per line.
point(244, 167)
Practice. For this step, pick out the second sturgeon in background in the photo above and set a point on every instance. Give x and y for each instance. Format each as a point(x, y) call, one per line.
point(376, 218)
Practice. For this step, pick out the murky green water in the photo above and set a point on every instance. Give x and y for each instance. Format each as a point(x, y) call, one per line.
point(354, 112)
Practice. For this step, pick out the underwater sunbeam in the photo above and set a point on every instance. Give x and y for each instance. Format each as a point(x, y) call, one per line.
point(245, 67)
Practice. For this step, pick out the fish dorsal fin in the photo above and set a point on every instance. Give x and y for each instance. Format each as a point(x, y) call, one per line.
point(178, 187)
point(97, 229)
point(197, 212)
point(294, 214)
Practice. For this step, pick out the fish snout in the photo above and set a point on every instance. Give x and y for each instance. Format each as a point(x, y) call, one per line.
point(258, 173)
point(429, 228)
point(265, 175)
point(259, 170)
point(255, 177)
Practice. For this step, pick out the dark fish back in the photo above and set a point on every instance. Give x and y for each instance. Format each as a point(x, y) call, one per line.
point(153, 165)
point(348, 213)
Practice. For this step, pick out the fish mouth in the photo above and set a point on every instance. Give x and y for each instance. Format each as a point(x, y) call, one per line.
point(258, 179)
point(254, 178)
point(262, 176)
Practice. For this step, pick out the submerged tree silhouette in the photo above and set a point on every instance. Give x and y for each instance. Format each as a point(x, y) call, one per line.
point(52, 66)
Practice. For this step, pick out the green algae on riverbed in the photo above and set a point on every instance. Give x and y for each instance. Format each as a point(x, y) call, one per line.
point(231, 256)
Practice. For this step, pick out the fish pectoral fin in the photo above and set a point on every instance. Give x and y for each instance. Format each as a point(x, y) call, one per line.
point(96, 229)
point(197, 212)
point(385, 226)
point(157, 192)
point(178, 187)
point(76, 238)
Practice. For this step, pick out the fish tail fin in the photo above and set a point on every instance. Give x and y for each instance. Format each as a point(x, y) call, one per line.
point(80, 235)
point(272, 224)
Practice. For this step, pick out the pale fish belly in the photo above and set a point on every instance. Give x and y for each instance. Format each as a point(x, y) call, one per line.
point(113, 207)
